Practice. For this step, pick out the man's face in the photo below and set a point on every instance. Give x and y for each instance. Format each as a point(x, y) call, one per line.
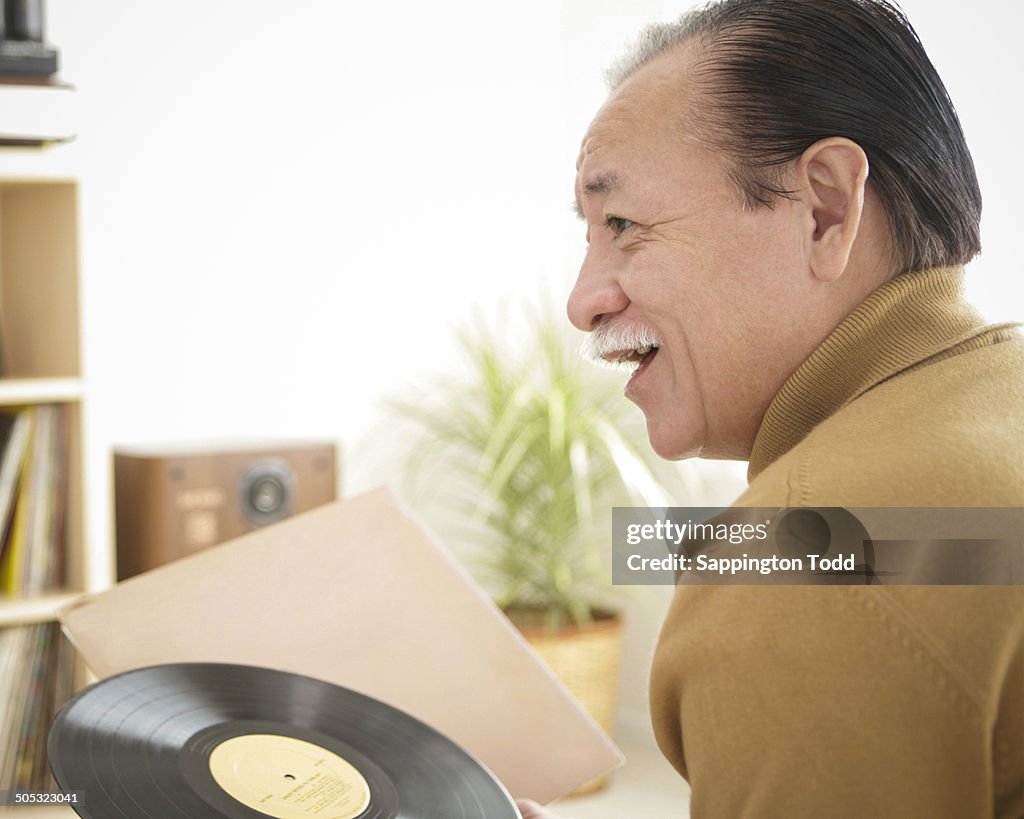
point(674, 256)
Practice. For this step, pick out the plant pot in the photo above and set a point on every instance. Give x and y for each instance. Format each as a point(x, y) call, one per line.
point(586, 660)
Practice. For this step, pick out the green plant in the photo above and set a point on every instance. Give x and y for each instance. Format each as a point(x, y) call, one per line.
point(536, 445)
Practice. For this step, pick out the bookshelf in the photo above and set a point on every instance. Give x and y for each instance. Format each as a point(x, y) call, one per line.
point(40, 350)
point(39, 327)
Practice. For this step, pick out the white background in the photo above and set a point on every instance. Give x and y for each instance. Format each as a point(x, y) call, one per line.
point(286, 207)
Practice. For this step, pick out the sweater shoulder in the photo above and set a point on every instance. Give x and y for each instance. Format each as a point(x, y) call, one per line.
point(950, 433)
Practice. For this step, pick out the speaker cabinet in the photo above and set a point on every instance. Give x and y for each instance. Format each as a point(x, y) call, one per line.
point(173, 501)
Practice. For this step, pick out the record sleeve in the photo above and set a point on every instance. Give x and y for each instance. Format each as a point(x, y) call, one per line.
point(357, 594)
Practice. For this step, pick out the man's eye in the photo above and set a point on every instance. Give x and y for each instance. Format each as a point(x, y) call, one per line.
point(616, 224)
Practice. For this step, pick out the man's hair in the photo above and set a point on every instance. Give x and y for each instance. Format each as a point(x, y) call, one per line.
point(778, 75)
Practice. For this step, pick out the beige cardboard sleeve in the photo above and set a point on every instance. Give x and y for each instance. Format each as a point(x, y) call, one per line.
point(357, 594)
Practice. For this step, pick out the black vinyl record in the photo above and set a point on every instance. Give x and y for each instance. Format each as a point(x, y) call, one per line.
point(210, 740)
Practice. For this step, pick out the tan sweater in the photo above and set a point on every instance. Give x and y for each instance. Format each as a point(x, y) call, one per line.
point(848, 701)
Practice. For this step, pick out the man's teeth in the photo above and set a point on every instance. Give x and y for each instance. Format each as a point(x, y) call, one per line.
point(635, 355)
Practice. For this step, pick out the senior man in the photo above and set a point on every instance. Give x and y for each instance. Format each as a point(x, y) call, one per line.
point(779, 203)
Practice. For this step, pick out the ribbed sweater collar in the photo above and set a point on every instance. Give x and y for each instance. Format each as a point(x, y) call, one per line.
point(912, 319)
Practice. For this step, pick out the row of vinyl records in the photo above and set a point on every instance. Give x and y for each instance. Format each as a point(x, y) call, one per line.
point(36, 661)
point(36, 678)
point(33, 469)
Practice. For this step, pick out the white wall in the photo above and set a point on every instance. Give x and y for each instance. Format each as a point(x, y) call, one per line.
point(282, 216)
point(285, 207)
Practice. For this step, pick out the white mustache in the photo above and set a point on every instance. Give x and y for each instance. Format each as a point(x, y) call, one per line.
point(611, 338)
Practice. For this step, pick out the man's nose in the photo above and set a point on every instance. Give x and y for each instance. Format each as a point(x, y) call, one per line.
point(596, 294)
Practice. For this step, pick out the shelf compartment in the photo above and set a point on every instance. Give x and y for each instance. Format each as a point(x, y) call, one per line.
point(39, 326)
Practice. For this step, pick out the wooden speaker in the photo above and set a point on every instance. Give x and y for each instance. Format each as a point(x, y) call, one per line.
point(171, 501)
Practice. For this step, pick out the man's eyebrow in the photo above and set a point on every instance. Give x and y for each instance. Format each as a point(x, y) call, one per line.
point(602, 183)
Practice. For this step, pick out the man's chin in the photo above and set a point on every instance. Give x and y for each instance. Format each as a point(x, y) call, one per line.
point(670, 445)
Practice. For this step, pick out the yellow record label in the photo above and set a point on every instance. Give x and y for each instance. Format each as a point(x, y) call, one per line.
point(289, 778)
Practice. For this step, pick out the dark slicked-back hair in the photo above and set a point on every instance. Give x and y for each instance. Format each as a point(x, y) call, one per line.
point(778, 75)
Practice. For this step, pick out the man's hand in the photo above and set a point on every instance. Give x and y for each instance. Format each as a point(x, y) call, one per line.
point(531, 810)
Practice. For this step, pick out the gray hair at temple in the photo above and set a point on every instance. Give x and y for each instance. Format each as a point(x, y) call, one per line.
point(778, 75)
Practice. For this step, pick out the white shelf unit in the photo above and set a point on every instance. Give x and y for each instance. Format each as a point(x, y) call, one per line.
point(41, 354)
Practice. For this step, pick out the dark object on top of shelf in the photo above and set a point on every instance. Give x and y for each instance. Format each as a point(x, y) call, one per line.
point(23, 20)
point(22, 35)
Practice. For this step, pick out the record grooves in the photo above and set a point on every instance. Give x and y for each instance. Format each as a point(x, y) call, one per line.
point(209, 740)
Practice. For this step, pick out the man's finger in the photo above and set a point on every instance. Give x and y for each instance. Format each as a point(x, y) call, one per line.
point(531, 810)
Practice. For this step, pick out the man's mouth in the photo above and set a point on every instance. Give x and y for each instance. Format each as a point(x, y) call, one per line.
point(622, 346)
point(634, 358)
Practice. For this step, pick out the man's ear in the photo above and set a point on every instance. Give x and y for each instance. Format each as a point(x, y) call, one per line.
point(831, 176)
